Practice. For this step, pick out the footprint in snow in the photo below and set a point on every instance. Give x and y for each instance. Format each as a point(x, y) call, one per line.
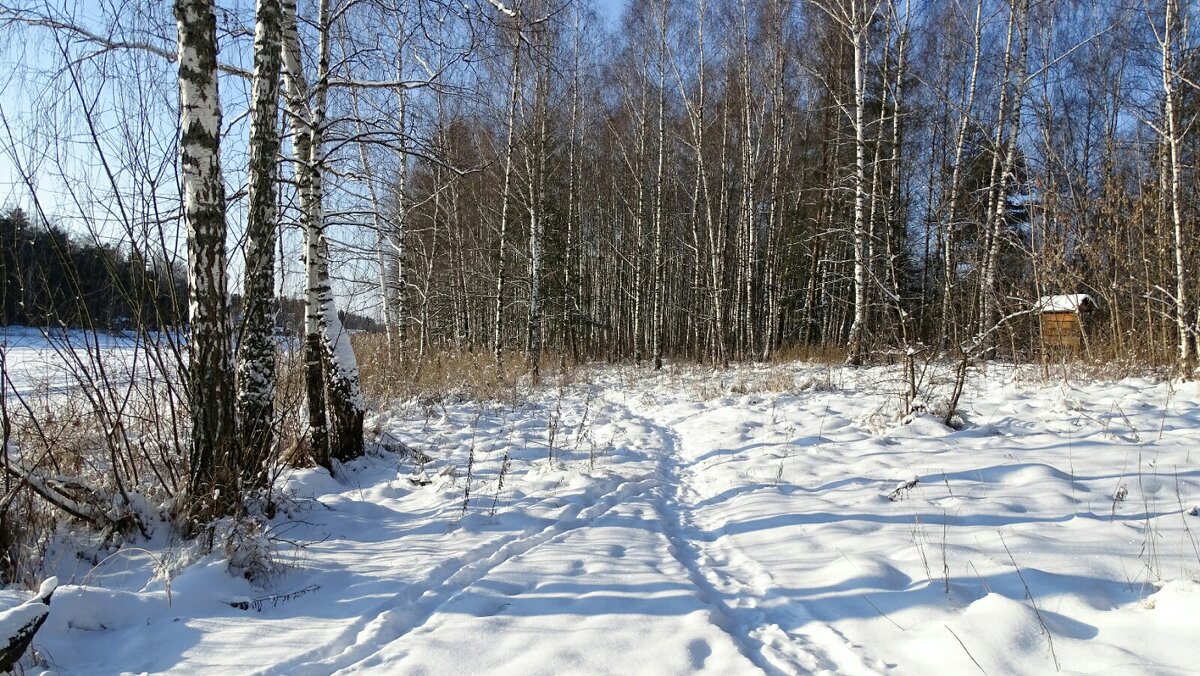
point(698, 652)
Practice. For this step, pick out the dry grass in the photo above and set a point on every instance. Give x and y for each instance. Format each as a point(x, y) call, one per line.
point(96, 447)
point(448, 373)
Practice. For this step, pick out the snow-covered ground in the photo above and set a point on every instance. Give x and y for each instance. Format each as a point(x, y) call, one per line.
point(697, 521)
point(52, 361)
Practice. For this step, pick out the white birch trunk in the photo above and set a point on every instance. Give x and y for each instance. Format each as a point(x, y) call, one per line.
point(336, 425)
point(949, 260)
point(256, 372)
point(657, 308)
point(506, 198)
point(855, 342)
point(1172, 138)
point(1006, 149)
point(213, 455)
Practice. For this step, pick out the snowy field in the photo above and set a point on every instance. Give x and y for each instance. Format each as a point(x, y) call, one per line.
point(52, 361)
point(779, 520)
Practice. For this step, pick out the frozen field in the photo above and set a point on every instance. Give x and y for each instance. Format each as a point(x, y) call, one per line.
point(51, 361)
point(776, 520)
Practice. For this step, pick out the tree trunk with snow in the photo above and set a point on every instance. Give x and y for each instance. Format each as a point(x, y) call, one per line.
point(20, 624)
point(213, 455)
point(256, 368)
point(335, 403)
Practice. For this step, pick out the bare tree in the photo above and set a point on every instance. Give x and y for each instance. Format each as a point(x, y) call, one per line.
point(335, 403)
point(1170, 40)
point(1004, 154)
point(214, 457)
point(506, 190)
point(854, 17)
point(256, 368)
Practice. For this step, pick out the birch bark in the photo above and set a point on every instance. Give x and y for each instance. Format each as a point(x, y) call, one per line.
point(213, 454)
point(256, 369)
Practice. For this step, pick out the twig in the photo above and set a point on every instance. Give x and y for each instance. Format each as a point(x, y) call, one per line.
point(903, 489)
point(881, 613)
point(1029, 595)
point(274, 599)
point(964, 647)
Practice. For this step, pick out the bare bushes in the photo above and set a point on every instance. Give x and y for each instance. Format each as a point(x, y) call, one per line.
point(815, 353)
point(94, 422)
point(96, 426)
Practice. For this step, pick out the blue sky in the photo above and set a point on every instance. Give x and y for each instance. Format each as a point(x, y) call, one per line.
point(611, 9)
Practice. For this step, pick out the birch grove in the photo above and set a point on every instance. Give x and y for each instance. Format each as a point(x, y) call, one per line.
point(710, 187)
point(654, 181)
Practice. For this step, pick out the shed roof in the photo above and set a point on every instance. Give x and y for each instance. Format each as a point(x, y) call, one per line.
point(1071, 302)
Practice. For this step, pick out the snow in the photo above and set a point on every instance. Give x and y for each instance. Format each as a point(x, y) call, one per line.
point(1065, 303)
point(21, 616)
point(700, 522)
point(53, 360)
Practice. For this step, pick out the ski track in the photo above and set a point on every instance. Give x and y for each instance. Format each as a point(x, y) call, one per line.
point(731, 584)
point(727, 580)
point(737, 588)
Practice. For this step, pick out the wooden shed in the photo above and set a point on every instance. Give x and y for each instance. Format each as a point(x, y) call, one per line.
point(1061, 318)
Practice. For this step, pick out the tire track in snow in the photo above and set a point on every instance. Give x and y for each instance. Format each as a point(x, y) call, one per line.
point(419, 601)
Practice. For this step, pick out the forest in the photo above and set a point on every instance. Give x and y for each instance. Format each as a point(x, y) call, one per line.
point(496, 196)
point(50, 278)
point(713, 180)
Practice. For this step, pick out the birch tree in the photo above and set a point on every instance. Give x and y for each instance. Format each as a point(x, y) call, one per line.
point(213, 456)
point(656, 326)
point(854, 17)
point(1170, 40)
point(507, 189)
point(951, 199)
point(335, 404)
point(256, 369)
point(1004, 157)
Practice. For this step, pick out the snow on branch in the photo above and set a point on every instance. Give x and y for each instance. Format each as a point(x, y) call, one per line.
point(19, 625)
point(503, 9)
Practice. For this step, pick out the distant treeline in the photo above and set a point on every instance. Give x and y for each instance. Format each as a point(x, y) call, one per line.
point(53, 277)
point(290, 317)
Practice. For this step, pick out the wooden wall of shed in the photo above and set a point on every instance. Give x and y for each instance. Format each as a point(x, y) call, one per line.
point(1061, 329)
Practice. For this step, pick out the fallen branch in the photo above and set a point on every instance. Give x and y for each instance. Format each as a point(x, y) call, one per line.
point(391, 443)
point(274, 599)
point(19, 625)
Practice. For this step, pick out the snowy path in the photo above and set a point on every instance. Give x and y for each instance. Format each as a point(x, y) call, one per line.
point(683, 531)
